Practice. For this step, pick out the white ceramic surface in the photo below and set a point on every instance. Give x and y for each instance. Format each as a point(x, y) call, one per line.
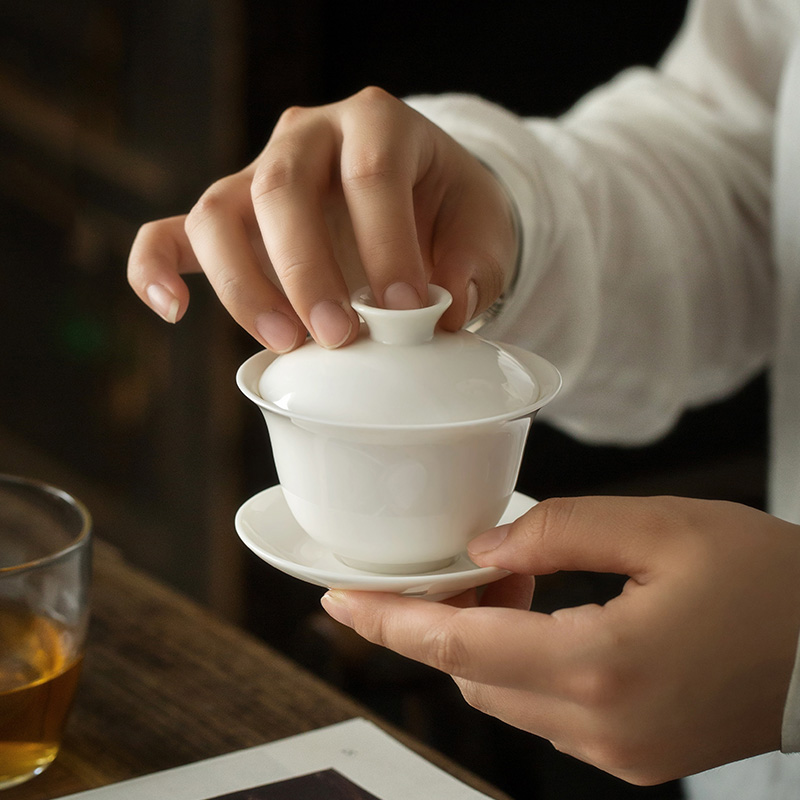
point(399, 374)
point(267, 527)
point(400, 505)
point(395, 451)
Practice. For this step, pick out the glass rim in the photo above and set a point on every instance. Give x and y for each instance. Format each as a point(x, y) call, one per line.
point(82, 538)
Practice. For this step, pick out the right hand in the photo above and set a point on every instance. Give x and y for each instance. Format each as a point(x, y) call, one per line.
point(688, 668)
point(361, 191)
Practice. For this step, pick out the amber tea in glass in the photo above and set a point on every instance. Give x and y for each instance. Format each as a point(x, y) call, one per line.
point(45, 553)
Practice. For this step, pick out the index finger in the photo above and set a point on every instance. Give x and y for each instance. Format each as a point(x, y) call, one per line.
point(504, 647)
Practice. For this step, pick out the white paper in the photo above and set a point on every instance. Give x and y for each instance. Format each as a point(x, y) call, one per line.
point(357, 749)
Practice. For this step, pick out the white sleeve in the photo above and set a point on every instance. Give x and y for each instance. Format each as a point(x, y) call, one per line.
point(646, 274)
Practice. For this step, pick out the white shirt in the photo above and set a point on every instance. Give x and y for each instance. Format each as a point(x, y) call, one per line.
point(680, 183)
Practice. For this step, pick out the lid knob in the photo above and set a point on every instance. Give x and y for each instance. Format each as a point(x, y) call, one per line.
point(401, 326)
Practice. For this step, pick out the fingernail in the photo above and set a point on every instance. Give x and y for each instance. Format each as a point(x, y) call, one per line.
point(163, 302)
point(335, 606)
point(472, 300)
point(278, 331)
point(401, 296)
point(490, 540)
point(330, 324)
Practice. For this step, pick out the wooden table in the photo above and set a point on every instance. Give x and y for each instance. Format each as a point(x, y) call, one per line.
point(166, 683)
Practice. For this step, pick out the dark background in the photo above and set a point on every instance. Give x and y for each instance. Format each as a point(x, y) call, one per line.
point(113, 112)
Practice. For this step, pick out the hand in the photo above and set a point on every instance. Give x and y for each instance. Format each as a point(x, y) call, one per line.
point(688, 668)
point(364, 190)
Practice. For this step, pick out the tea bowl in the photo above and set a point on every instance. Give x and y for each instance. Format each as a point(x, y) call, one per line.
point(396, 450)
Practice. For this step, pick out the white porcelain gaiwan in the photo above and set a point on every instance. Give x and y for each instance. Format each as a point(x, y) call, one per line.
point(395, 451)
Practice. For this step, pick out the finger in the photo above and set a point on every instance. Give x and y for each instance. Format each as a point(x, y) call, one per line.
point(602, 534)
point(380, 163)
point(498, 646)
point(515, 591)
point(218, 232)
point(475, 243)
point(565, 724)
point(159, 253)
point(467, 599)
point(291, 185)
point(538, 714)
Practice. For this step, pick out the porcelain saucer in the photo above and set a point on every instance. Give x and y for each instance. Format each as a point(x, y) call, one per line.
point(266, 526)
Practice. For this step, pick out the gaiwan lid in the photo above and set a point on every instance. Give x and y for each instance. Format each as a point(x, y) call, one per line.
point(401, 372)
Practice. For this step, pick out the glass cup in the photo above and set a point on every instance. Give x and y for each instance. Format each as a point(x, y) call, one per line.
point(45, 565)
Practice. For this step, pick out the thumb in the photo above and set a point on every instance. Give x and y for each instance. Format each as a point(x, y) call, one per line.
point(599, 534)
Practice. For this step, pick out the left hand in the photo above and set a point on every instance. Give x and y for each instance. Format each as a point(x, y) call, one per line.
point(688, 668)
